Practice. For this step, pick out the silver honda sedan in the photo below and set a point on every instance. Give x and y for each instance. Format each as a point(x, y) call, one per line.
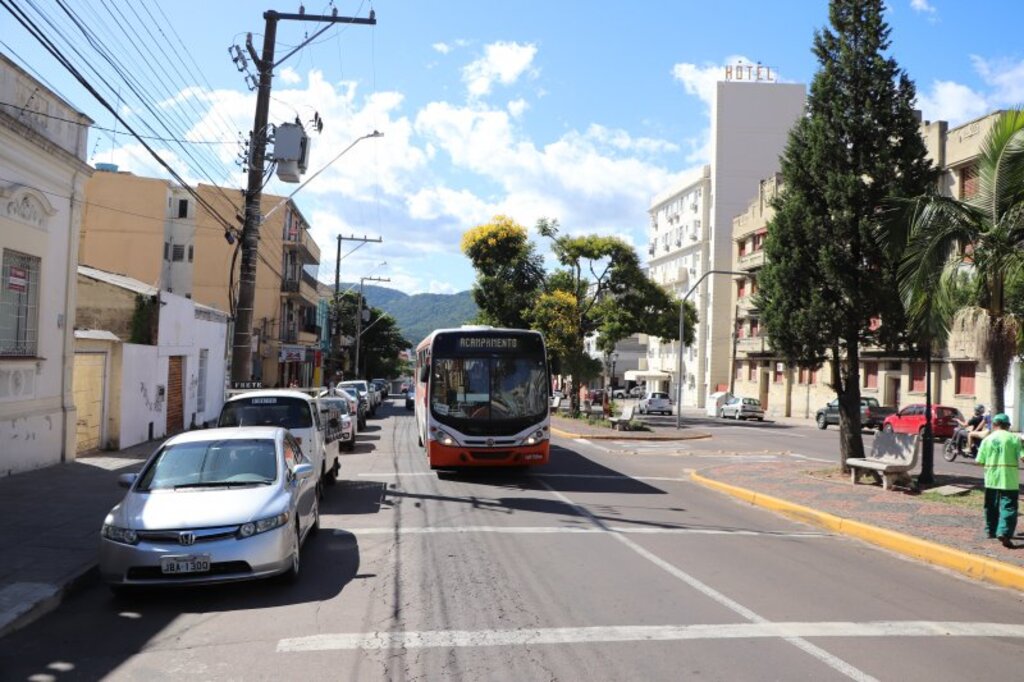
point(210, 506)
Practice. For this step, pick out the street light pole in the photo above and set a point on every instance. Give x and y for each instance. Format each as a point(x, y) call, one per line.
point(359, 316)
point(682, 330)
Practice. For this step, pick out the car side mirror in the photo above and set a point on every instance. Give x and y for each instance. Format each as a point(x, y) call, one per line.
point(126, 480)
point(304, 470)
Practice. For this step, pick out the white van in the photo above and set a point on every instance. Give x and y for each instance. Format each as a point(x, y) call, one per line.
point(295, 411)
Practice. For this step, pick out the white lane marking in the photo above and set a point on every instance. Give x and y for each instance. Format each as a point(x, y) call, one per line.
point(674, 479)
point(817, 652)
point(641, 633)
point(812, 459)
point(547, 530)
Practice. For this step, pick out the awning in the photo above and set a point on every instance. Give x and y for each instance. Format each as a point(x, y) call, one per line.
point(638, 374)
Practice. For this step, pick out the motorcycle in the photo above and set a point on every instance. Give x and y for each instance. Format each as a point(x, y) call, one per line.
point(955, 447)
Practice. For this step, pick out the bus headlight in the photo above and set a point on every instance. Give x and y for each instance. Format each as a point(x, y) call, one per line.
point(535, 437)
point(444, 439)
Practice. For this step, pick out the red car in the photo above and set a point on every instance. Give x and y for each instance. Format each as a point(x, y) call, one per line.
point(910, 419)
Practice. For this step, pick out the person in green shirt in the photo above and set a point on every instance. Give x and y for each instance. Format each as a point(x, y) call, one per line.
point(1000, 453)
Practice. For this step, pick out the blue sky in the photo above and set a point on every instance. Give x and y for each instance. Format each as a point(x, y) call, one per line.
point(575, 110)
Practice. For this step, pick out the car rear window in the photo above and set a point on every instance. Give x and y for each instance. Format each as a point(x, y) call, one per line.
point(870, 402)
point(659, 396)
point(751, 401)
point(290, 413)
point(947, 412)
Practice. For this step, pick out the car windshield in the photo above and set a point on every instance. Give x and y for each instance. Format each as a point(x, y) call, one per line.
point(659, 396)
point(489, 388)
point(339, 404)
point(359, 385)
point(212, 464)
point(291, 413)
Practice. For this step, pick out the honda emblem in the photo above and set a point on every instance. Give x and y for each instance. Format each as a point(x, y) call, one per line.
point(186, 538)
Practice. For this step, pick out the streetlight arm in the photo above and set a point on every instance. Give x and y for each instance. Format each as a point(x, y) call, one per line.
point(682, 331)
point(375, 133)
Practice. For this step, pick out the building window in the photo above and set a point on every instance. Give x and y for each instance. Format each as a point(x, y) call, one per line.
point(19, 304)
point(755, 328)
point(204, 358)
point(178, 252)
point(751, 370)
point(738, 372)
point(182, 208)
point(917, 377)
point(870, 375)
point(741, 289)
point(814, 377)
point(968, 181)
point(190, 252)
point(964, 373)
point(167, 251)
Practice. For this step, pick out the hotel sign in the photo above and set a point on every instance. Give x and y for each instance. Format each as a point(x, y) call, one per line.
point(754, 73)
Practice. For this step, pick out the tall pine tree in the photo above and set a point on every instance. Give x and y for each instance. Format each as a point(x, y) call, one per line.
point(825, 276)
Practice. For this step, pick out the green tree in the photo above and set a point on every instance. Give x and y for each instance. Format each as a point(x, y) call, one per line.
point(977, 242)
point(510, 273)
point(826, 277)
point(381, 340)
point(601, 288)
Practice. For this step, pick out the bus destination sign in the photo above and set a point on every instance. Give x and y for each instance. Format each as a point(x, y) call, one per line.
point(488, 343)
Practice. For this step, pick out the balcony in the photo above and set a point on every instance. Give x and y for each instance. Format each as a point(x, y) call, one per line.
point(751, 260)
point(302, 243)
point(290, 335)
point(302, 288)
point(745, 303)
point(752, 344)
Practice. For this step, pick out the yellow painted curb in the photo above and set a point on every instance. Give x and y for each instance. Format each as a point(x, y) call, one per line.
point(973, 565)
point(618, 436)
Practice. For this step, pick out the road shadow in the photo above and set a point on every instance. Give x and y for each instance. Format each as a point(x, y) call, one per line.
point(353, 497)
point(95, 632)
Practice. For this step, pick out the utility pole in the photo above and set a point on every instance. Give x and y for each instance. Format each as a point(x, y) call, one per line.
point(359, 314)
point(241, 351)
point(336, 335)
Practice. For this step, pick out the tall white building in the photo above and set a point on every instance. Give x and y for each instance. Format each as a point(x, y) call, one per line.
point(691, 227)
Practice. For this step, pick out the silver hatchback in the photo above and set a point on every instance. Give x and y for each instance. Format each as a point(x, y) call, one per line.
point(210, 506)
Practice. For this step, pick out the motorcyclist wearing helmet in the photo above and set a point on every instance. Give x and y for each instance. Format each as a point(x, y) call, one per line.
point(973, 425)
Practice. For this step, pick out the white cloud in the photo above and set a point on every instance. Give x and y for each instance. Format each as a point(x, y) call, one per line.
point(922, 6)
point(503, 62)
point(289, 76)
point(517, 106)
point(623, 141)
point(443, 48)
point(1004, 76)
point(949, 101)
point(437, 287)
point(432, 203)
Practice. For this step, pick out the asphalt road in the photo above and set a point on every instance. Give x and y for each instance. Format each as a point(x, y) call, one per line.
point(606, 565)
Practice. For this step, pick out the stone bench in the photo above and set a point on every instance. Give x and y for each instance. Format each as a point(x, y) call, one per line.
point(621, 423)
point(893, 456)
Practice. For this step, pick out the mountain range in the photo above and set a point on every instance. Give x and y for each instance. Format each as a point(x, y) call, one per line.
point(419, 314)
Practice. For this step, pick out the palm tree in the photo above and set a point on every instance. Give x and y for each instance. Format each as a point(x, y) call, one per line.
point(982, 238)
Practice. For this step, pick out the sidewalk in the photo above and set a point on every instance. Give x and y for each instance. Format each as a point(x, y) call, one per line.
point(50, 531)
point(942, 533)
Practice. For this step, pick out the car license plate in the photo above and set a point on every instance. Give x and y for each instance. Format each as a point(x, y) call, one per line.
point(193, 563)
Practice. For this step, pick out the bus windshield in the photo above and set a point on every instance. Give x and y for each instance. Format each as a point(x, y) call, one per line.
point(489, 388)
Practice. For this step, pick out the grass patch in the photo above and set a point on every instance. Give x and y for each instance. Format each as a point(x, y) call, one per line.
point(974, 499)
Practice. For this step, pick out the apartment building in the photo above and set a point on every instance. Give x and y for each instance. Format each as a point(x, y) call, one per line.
point(960, 377)
point(42, 173)
point(750, 122)
point(154, 231)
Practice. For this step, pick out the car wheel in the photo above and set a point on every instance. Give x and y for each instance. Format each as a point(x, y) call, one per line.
point(315, 525)
point(292, 574)
point(721, 415)
point(760, 419)
point(822, 422)
point(351, 445)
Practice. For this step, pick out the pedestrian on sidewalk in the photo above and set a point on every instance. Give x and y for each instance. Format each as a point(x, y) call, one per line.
point(1000, 454)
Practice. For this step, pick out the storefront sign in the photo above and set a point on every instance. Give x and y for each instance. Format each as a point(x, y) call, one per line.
point(246, 385)
point(755, 73)
point(292, 354)
point(17, 279)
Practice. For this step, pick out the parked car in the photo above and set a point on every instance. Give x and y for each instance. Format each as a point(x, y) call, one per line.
point(367, 391)
point(636, 391)
point(362, 404)
point(619, 393)
point(911, 418)
point(742, 408)
point(337, 420)
point(384, 385)
point(410, 399)
point(215, 505)
point(595, 395)
point(291, 409)
point(354, 410)
point(655, 402)
point(872, 414)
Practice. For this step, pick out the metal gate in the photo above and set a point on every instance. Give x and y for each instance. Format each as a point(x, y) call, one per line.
point(175, 403)
point(90, 395)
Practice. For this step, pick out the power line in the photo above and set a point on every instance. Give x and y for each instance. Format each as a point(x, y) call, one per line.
point(36, 33)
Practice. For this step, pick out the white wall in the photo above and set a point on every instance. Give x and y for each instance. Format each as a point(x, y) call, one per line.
point(142, 373)
point(184, 330)
point(750, 125)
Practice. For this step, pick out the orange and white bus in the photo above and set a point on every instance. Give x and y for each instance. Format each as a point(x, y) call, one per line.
point(482, 397)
